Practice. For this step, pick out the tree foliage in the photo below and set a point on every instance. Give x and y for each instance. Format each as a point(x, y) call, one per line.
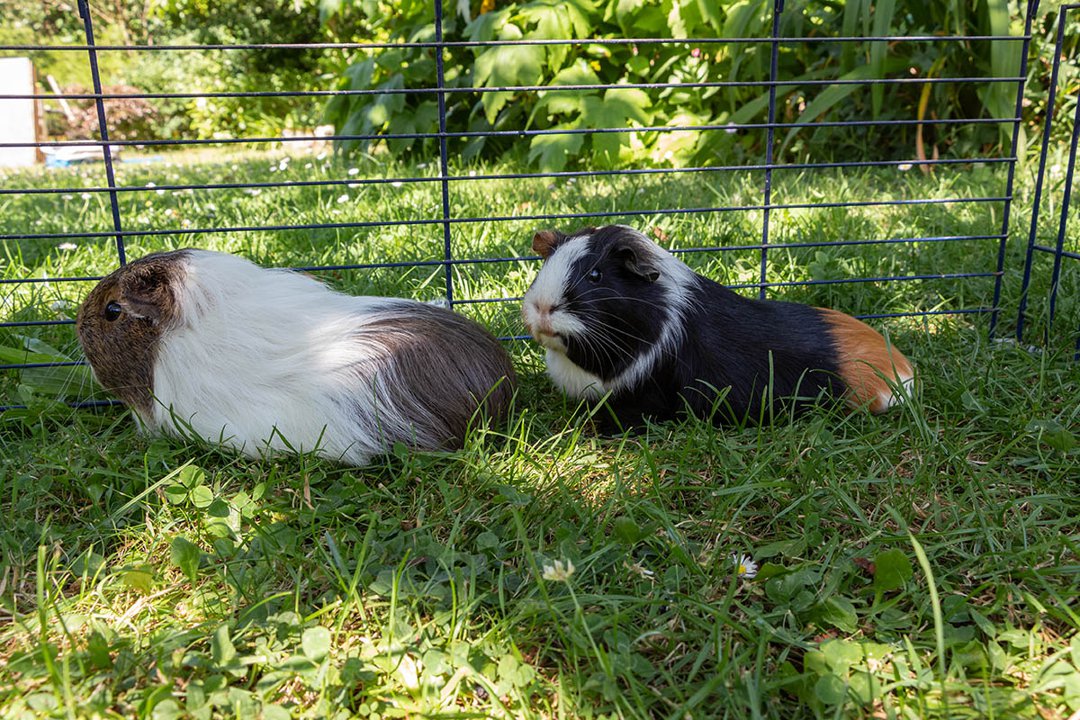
point(714, 102)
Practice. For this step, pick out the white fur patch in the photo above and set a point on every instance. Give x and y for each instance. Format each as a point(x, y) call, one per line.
point(272, 360)
point(571, 379)
point(547, 292)
point(890, 398)
point(540, 304)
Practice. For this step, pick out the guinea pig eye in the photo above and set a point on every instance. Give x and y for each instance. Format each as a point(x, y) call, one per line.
point(594, 275)
point(112, 311)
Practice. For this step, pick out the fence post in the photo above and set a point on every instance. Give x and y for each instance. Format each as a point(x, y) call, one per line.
point(1051, 100)
point(1059, 248)
point(448, 252)
point(778, 9)
point(103, 127)
point(1032, 8)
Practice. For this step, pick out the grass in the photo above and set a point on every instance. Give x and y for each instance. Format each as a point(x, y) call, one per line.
point(920, 564)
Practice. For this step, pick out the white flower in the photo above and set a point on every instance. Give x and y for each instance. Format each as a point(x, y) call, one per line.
point(904, 167)
point(396, 183)
point(559, 572)
point(85, 196)
point(343, 198)
point(66, 246)
point(745, 566)
point(354, 171)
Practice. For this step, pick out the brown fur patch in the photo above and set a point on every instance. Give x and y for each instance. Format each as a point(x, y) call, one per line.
point(122, 352)
point(545, 242)
point(865, 360)
point(445, 365)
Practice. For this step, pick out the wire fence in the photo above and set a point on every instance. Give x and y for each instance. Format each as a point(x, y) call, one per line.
point(1059, 251)
point(760, 209)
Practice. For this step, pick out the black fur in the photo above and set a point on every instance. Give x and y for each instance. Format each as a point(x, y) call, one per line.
point(736, 360)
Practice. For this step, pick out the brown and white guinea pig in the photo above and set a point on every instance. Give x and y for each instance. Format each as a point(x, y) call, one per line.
point(619, 315)
point(265, 360)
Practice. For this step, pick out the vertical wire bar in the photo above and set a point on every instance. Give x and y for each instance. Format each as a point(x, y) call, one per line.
point(1032, 8)
point(103, 127)
point(778, 9)
point(448, 251)
point(1037, 199)
point(1060, 247)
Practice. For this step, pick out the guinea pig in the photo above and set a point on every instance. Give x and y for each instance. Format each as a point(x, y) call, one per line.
point(622, 317)
point(268, 360)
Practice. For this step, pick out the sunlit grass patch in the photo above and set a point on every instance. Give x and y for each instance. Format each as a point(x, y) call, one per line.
point(154, 578)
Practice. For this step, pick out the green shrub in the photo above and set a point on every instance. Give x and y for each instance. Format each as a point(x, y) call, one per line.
point(552, 66)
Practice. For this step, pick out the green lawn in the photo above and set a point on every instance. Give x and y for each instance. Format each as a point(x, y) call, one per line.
point(924, 563)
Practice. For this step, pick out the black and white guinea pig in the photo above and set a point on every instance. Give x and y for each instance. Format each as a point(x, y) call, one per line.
point(620, 315)
point(265, 360)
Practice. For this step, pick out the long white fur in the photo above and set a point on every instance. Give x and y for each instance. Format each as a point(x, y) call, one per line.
point(676, 278)
point(295, 351)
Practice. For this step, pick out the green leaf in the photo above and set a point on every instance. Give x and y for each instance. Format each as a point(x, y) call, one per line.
point(554, 102)
point(983, 622)
point(221, 646)
point(830, 690)
point(202, 496)
point(626, 530)
point(617, 109)
point(883, 15)
point(553, 151)
point(185, 555)
point(506, 66)
point(316, 643)
point(140, 578)
point(891, 570)
point(830, 97)
point(841, 654)
point(191, 476)
point(1053, 434)
point(710, 13)
point(840, 613)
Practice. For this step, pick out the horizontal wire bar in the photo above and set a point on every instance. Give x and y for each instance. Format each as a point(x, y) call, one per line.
point(510, 176)
point(1055, 251)
point(922, 313)
point(515, 133)
point(15, 281)
point(31, 366)
point(914, 313)
point(35, 323)
point(504, 218)
point(83, 405)
point(787, 283)
point(510, 88)
point(524, 42)
point(839, 243)
point(533, 258)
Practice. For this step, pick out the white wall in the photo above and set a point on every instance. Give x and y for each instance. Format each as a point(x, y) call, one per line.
point(18, 121)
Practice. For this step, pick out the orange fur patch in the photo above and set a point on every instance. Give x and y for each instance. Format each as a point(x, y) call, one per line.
point(866, 360)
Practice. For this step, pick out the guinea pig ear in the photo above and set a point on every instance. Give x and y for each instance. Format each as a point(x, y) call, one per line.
point(632, 261)
point(545, 242)
point(145, 292)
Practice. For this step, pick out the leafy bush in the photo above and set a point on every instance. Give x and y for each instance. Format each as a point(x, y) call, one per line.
point(630, 64)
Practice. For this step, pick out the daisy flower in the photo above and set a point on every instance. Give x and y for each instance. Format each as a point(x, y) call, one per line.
point(745, 566)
